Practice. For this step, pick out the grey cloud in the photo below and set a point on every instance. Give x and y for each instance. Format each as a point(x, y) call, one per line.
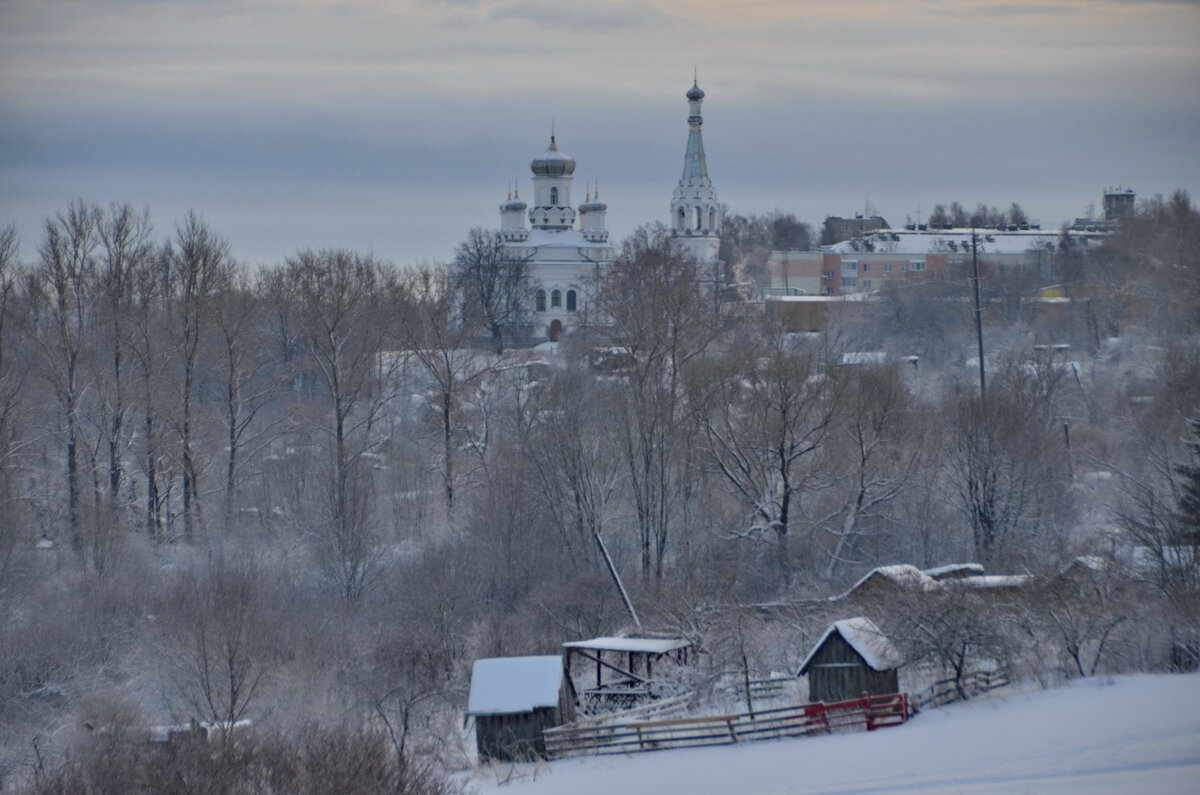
point(607, 17)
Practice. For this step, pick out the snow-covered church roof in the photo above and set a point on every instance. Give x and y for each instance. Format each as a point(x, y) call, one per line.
point(865, 638)
point(509, 685)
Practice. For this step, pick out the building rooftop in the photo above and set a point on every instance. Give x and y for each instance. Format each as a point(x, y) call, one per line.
point(508, 685)
point(956, 241)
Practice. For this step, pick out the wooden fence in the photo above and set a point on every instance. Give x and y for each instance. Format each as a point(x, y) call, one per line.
point(870, 712)
point(659, 708)
point(973, 684)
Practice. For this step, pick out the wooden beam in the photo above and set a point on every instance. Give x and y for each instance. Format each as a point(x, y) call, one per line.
point(599, 662)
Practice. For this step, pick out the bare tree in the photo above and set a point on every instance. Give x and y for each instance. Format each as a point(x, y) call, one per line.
point(199, 267)
point(953, 629)
point(12, 380)
point(767, 411)
point(1084, 608)
point(579, 468)
point(150, 351)
point(659, 314)
point(248, 376)
point(1153, 508)
point(341, 309)
point(66, 295)
point(873, 453)
point(495, 284)
point(218, 642)
point(125, 235)
point(1004, 479)
point(437, 336)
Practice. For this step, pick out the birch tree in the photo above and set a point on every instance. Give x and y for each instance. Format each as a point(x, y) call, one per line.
point(340, 313)
point(437, 337)
point(198, 265)
point(125, 235)
point(65, 298)
point(660, 316)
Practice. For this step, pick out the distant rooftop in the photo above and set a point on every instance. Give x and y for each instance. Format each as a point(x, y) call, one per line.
point(1010, 240)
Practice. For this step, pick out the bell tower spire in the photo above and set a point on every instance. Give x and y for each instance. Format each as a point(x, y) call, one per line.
point(695, 212)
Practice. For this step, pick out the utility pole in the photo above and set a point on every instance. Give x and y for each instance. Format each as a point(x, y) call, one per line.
point(978, 313)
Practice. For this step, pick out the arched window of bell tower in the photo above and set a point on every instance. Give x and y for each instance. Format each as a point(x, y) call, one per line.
point(554, 197)
point(696, 219)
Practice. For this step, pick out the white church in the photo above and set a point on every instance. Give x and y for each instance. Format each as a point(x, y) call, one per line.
point(566, 262)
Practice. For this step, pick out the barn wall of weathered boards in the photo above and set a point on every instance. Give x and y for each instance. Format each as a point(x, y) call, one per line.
point(515, 737)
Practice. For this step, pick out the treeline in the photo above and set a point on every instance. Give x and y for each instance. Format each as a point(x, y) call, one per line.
point(956, 215)
point(317, 491)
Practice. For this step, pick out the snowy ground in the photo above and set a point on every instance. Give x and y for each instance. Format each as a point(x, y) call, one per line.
point(1125, 735)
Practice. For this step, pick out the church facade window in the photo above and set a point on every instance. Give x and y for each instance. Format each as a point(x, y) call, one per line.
point(541, 301)
point(554, 196)
point(570, 300)
point(555, 299)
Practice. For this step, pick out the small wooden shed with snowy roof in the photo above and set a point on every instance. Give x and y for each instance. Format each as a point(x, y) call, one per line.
point(513, 699)
point(852, 657)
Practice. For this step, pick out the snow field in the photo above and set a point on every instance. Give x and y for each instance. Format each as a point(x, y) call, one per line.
point(1130, 734)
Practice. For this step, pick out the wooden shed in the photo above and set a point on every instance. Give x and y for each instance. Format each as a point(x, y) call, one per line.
point(513, 699)
point(852, 657)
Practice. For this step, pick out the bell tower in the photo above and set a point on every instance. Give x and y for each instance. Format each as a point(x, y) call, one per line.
point(695, 212)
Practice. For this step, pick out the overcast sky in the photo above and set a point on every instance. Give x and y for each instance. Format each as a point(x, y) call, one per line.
point(394, 127)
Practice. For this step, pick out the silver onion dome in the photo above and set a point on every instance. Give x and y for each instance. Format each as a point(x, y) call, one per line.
point(695, 92)
point(553, 163)
point(515, 204)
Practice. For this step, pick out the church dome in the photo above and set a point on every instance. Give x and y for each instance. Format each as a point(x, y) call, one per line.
point(553, 163)
point(594, 205)
point(695, 92)
point(515, 204)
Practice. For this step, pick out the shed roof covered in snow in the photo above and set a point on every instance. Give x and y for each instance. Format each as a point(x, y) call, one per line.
point(508, 685)
point(953, 570)
point(866, 639)
point(985, 581)
point(642, 645)
point(902, 574)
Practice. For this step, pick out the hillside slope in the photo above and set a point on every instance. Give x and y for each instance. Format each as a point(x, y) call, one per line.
point(1128, 734)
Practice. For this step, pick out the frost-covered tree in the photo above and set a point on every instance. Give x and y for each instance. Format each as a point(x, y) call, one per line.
point(494, 283)
point(660, 315)
point(764, 412)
